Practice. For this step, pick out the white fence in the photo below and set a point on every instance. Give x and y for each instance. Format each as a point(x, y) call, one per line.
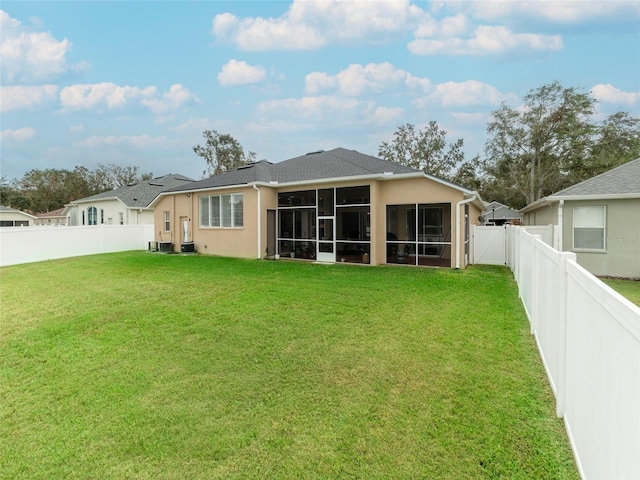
point(589, 340)
point(34, 244)
point(490, 245)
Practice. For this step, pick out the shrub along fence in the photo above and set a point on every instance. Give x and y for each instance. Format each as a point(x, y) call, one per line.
point(589, 340)
point(34, 244)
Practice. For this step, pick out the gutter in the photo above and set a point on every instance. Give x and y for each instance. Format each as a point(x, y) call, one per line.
point(259, 222)
point(560, 208)
point(458, 228)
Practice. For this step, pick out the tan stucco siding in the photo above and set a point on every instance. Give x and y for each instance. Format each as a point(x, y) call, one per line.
point(243, 242)
point(422, 190)
point(621, 257)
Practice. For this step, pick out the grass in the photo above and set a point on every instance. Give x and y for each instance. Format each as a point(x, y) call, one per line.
point(135, 365)
point(626, 288)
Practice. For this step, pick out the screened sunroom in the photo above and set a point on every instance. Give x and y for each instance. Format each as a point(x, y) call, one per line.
point(419, 234)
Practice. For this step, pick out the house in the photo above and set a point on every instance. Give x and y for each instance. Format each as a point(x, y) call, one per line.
point(10, 217)
point(123, 206)
point(495, 213)
point(598, 219)
point(330, 206)
point(54, 217)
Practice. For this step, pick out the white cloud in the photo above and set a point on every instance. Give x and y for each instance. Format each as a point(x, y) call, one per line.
point(177, 96)
point(610, 94)
point(357, 79)
point(327, 108)
point(102, 94)
point(485, 40)
point(310, 25)
point(29, 56)
point(19, 134)
point(564, 12)
point(76, 128)
point(236, 72)
point(110, 95)
point(19, 97)
point(137, 141)
point(469, 93)
point(385, 115)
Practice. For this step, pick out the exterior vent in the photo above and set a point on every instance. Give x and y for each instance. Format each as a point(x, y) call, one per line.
point(316, 152)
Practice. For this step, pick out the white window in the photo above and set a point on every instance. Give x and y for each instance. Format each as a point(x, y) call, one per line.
point(589, 227)
point(167, 221)
point(92, 215)
point(222, 210)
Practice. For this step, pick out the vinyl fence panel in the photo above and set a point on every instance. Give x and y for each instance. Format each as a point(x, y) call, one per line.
point(34, 244)
point(589, 339)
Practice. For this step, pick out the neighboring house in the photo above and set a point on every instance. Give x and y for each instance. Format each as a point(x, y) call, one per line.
point(10, 217)
point(498, 214)
point(54, 217)
point(123, 206)
point(331, 206)
point(598, 219)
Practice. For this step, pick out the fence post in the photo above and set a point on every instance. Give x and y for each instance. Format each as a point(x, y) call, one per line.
point(535, 296)
point(561, 386)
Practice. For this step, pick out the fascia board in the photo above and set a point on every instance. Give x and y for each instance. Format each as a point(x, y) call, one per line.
point(611, 196)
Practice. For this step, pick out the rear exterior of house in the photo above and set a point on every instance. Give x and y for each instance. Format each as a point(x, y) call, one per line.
point(336, 206)
point(598, 219)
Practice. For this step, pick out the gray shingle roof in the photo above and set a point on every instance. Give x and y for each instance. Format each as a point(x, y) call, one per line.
point(621, 180)
point(335, 163)
point(141, 194)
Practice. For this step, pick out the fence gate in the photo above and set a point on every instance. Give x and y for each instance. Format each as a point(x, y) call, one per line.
point(489, 245)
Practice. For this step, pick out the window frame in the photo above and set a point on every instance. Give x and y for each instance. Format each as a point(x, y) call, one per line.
point(575, 227)
point(225, 210)
point(166, 216)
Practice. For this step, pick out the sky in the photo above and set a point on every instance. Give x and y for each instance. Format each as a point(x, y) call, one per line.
point(135, 83)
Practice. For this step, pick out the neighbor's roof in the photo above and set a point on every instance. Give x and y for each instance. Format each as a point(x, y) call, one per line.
point(141, 194)
point(5, 209)
point(620, 182)
point(53, 213)
point(322, 165)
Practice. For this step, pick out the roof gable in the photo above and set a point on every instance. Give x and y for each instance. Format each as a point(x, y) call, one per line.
point(624, 179)
point(336, 163)
point(141, 194)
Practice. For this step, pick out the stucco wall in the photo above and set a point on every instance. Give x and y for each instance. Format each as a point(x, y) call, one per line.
point(545, 215)
point(16, 217)
point(243, 242)
point(112, 209)
point(621, 257)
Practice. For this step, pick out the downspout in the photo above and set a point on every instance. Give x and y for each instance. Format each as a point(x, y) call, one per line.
point(458, 205)
point(560, 207)
point(259, 223)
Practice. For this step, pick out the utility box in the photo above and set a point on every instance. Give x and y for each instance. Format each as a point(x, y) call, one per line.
point(188, 247)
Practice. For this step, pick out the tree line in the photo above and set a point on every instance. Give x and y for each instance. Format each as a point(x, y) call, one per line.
point(550, 142)
point(40, 191)
point(553, 140)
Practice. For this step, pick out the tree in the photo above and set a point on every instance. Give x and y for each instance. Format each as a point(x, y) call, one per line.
point(40, 191)
point(467, 174)
point(532, 150)
point(112, 176)
point(221, 153)
point(617, 141)
point(425, 150)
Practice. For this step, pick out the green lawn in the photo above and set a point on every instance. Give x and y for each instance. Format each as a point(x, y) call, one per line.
point(627, 288)
point(147, 366)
